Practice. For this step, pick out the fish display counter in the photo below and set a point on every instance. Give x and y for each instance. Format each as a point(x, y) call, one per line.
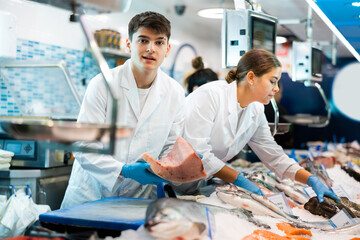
point(289, 210)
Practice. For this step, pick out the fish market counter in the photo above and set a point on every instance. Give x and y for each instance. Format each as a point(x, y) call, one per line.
point(47, 185)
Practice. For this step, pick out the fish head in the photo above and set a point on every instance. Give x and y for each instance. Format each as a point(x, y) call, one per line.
point(170, 223)
point(230, 188)
point(163, 215)
point(258, 175)
point(232, 191)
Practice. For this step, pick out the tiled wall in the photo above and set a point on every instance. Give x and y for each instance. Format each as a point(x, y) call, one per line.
point(80, 64)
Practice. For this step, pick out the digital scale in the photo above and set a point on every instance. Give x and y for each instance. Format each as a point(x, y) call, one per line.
point(31, 154)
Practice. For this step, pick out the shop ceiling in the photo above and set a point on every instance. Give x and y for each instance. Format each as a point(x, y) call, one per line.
point(341, 12)
point(343, 15)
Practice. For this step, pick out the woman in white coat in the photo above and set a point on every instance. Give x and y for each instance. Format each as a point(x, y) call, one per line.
point(222, 116)
point(150, 101)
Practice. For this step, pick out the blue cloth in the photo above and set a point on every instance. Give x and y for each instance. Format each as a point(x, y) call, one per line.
point(242, 181)
point(139, 171)
point(320, 189)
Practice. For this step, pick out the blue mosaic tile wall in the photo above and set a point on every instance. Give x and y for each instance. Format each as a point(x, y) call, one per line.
point(80, 64)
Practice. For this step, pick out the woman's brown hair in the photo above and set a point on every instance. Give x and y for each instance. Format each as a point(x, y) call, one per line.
point(258, 61)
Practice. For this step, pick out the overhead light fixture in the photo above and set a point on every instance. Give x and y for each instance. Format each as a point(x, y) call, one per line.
point(332, 27)
point(289, 21)
point(174, 42)
point(355, 4)
point(280, 40)
point(216, 13)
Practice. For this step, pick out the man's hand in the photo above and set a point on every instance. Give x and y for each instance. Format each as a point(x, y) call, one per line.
point(140, 173)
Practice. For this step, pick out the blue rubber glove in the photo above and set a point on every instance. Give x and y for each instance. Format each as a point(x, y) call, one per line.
point(243, 182)
point(140, 173)
point(320, 189)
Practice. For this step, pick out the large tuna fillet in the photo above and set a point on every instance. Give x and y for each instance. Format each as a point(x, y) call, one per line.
point(181, 165)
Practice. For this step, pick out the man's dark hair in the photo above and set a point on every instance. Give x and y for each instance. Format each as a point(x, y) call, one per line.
point(153, 20)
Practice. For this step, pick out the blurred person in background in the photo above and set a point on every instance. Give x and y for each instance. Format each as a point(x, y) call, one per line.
point(199, 75)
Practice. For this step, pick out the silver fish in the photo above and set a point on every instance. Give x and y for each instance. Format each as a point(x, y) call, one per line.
point(265, 177)
point(171, 218)
point(293, 193)
point(242, 198)
point(315, 168)
point(259, 205)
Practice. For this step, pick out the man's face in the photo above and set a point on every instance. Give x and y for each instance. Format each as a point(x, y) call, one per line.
point(148, 49)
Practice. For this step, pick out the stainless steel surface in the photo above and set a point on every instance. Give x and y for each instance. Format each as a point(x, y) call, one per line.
point(301, 61)
point(47, 185)
point(281, 128)
point(61, 131)
point(237, 33)
point(274, 128)
point(326, 120)
point(35, 173)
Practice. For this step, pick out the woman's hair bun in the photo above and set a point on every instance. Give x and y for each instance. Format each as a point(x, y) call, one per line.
point(197, 63)
point(231, 76)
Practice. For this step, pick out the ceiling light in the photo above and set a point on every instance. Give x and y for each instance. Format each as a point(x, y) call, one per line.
point(355, 4)
point(211, 13)
point(174, 42)
point(332, 27)
point(280, 40)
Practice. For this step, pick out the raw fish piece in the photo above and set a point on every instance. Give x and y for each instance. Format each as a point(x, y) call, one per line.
point(289, 229)
point(295, 237)
point(328, 162)
point(267, 235)
point(181, 165)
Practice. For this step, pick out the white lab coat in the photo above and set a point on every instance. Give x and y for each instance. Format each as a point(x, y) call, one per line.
point(156, 128)
point(211, 120)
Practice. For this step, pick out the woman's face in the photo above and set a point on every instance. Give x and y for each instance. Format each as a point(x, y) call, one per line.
point(265, 87)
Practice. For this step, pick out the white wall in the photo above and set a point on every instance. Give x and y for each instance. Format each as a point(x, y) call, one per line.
point(46, 24)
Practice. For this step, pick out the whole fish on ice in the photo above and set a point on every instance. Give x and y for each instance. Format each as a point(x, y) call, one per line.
point(316, 168)
point(258, 205)
point(293, 193)
point(171, 218)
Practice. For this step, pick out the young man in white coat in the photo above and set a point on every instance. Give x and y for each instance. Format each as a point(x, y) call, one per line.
point(150, 101)
point(222, 116)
